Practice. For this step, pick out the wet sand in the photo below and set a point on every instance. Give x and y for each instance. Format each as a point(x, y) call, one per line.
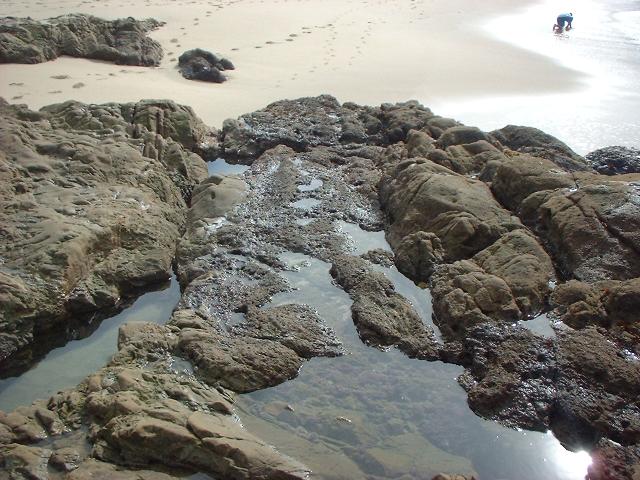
point(603, 45)
point(369, 52)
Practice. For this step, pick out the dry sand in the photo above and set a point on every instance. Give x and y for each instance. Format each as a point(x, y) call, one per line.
point(367, 51)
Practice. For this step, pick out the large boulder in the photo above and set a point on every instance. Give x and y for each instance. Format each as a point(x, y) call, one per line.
point(537, 143)
point(420, 195)
point(87, 217)
point(123, 41)
point(198, 64)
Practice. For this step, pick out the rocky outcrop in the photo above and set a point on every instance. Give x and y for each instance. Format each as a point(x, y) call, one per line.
point(123, 41)
point(485, 219)
point(140, 414)
point(615, 160)
point(539, 144)
point(92, 208)
point(198, 64)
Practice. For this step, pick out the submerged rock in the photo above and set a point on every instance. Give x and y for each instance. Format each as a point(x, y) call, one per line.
point(123, 41)
point(198, 64)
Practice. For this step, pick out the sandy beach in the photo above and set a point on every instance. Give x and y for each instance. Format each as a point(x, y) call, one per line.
point(367, 52)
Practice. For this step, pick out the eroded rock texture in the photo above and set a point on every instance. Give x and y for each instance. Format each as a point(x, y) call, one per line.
point(93, 204)
point(123, 41)
point(501, 226)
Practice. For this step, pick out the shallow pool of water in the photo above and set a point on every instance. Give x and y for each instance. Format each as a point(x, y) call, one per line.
point(68, 365)
point(306, 204)
point(379, 413)
point(219, 166)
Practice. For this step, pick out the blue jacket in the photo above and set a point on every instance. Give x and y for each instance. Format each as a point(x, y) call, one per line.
point(567, 17)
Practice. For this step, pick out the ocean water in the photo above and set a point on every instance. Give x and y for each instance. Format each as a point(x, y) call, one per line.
point(603, 46)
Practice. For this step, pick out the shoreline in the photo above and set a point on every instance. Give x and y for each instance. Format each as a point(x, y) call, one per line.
point(602, 112)
point(337, 53)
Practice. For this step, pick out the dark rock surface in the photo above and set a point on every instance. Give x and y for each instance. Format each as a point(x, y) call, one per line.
point(123, 41)
point(615, 160)
point(198, 64)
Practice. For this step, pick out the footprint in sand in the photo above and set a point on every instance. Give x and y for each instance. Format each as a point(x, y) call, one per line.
point(17, 97)
point(78, 85)
point(15, 84)
point(235, 49)
point(55, 91)
point(174, 40)
point(60, 77)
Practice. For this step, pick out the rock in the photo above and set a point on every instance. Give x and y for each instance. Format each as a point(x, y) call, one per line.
point(611, 460)
point(520, 176)
point(591, 231)
point(445, 476)
point(21, 461)
point(461, 212)
point(461, 135)
point(400, 118)
point(198, 64)
point(123, 41)
point(510, 375)
point(95, 220)
point(597, 391)
point(93, 469)
point(418, 254)
point(615, 160)
point(522, 263)
point(382, 316)
point(464, 295)
point(579, 304)
point(535, 142)
point(65, 459)
point(294, 326)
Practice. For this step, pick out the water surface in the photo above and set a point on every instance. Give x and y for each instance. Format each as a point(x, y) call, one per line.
point(68, 365)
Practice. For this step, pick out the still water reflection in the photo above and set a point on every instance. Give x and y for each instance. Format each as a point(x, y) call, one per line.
point(379, 413)
point(67, 366)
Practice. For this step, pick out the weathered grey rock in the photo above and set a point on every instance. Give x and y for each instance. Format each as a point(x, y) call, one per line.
point(198, 64)
point(615, 160)
point(123, 41)
point(535, 142)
